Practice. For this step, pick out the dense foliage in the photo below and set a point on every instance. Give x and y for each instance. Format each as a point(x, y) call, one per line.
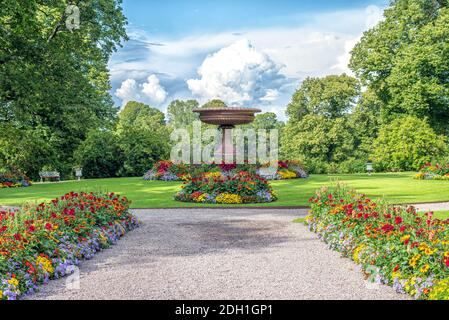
point(215, 103)
point(47, 241)
point(143, 138)
point(322, 124)
point(232, 188)
point(138, 140)
point(402, 65)
point(394, 245)
point(54, 83)
point(179, 113)
point(407, 143)
point(99, 155)
point(403, 60)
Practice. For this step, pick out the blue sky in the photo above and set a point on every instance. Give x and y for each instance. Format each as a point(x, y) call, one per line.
point(247, 52)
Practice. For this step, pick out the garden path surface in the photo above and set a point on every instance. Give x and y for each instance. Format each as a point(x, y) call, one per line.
point(218, 254)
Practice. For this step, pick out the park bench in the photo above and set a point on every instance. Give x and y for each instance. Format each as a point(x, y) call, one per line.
point(49, 175)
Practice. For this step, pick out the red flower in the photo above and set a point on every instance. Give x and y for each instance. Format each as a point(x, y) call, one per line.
point(282, 164)
point(387, 228)
point(446, 262)
point(398, 220)
point(48, 226)
point(402, 228)
point(31, 229)
point(17, 236)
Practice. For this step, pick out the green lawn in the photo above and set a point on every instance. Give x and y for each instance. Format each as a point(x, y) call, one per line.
point(441, 214)
point(394, 187)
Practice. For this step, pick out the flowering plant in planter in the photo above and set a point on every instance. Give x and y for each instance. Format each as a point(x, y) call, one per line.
point(46, 241)
point(241, 187)
point(435, 171)
point(394, 245)
point(14, 179)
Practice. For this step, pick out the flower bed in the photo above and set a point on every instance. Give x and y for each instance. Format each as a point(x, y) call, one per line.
point(13, 179)
point(431, 171)
point(46, 241)
point(241, 187)
point(394, 245)
point(169, 171)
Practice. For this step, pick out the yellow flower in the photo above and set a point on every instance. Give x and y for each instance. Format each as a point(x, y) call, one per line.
point(45, 264)
point(412, 262)
point(186, 177)
point(405, 238)
point(14, 282)
point(423, 246)
point(446, 254)
point(213, 175)
point(287, 174)
point(429, 251)
point(1, 294)
point(228, 198)
point(356, 253)
point(395, 275)
point(201, 198)
point(425, 268)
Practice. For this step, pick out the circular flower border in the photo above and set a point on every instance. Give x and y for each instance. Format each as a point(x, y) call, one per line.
point(216, 188)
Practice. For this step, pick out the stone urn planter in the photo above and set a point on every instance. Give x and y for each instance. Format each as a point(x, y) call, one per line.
point(226, 119)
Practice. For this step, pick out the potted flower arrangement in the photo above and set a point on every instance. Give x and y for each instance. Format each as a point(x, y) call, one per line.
point(433, 171)
point(216, 188)
point(13, 179)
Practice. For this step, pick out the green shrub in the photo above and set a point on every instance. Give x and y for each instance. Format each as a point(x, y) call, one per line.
point(352, 166)
point(407, 143)
point(99, 155)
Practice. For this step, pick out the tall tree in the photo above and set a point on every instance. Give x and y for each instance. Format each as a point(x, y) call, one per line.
point(403, 60)
point(53, 78)
point(180, 113)
point(319, 130)
point(267, 120)
point(331, 97)
point(143, 137)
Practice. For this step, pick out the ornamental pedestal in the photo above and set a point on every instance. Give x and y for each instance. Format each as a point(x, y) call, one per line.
point(226, 119)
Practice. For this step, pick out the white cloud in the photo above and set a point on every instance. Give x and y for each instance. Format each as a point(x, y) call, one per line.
point(128, 91)
point(318, 45)
point(150, 91)
point(270, 95)
point(236, 74)
point(374, 15)
point(153, 90)
point(313, 48)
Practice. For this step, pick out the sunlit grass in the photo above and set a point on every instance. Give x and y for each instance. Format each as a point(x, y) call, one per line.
point(394, 187)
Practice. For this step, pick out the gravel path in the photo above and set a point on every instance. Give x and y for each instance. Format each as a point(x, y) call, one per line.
point(219, 254)
point(440, 206)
